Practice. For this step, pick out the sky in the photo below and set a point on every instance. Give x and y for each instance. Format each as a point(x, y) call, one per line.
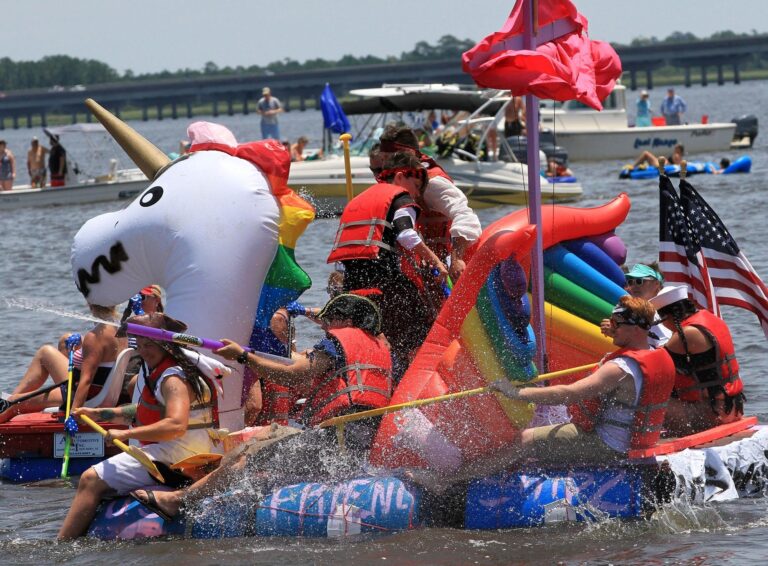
point(156, 35)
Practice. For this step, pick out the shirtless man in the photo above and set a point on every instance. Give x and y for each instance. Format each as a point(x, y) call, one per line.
point(36, 163)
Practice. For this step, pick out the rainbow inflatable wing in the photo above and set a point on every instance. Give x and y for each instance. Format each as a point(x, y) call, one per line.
point(482, 334)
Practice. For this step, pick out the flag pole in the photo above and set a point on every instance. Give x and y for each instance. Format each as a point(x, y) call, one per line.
point(530, 30)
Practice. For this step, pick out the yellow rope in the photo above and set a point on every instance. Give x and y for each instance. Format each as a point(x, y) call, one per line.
point(340, 421)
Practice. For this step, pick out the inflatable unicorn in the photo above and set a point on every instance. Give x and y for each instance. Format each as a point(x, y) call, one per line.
point(206, 229)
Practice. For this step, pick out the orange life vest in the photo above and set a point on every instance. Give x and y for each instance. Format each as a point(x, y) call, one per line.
point(365, 226)
point(365, 381)
point(277, 405)
point(687, 385)
point(658, 378)
point(149, 409)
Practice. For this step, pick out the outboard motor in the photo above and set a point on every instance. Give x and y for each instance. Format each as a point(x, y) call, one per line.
point(746, 131)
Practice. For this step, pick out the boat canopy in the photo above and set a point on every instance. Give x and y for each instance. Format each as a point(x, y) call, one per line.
point(417, 101)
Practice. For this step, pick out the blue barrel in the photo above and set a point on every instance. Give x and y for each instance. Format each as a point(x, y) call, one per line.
point(548, 496)
point(367, 505)
point(126, 519)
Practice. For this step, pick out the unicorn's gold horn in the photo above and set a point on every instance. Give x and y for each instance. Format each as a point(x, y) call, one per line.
point(144, 154)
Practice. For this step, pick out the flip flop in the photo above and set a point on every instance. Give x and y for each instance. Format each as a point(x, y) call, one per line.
point(151, 504)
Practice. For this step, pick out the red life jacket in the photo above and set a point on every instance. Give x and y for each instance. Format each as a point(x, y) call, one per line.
point(687, 385)
point(150, 411)
point(658, 378)
point(365, 226)
point(365, 381)
point(277, 405)
point(435, 228)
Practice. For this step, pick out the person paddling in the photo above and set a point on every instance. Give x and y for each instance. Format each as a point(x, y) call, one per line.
point(346, 372)
point(172, 420)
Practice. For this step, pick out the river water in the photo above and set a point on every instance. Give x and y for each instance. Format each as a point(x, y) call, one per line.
point(34, 267)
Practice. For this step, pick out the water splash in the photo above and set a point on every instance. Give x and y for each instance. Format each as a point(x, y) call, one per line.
point(38, 306)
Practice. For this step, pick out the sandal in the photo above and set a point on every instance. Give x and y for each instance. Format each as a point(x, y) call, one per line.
point(151, 504)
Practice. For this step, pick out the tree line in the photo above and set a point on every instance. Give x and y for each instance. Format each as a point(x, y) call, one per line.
point(65, 71)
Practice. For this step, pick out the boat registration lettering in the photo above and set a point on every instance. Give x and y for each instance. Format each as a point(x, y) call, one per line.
point(701, 133)
point(655, 142)
point(84, 445)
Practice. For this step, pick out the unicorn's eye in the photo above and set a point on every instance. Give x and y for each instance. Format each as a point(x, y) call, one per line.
point(151, 196)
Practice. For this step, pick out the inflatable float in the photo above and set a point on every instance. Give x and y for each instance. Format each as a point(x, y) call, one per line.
point(741, 165)
point(222, 197)
point(482, 333)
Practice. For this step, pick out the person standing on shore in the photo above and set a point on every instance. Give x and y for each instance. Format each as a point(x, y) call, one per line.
point(672, 108)
point(57, 162)
point(36, 163)
point(7, 167)
point(269, 107)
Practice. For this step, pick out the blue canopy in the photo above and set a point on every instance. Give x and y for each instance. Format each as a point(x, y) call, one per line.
point(334, 118)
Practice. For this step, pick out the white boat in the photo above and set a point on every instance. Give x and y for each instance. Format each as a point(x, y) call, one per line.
point(97, 179)
point(591, 135)
point(486, 183)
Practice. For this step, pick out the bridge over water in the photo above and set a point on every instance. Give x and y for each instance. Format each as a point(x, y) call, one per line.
point(173, 98)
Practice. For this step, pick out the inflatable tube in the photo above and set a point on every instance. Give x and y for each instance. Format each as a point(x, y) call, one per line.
point(554, 495)
point(612, 245)
point(512, 354)
point(562, 223)
point(742, 165)
point(572, 341)
point(516, 312)
point(221, 197)
point(570, 266)
point(565, 179)
point(476, 341)
point(591, 254)
point(576, 300)
point(359, 506)
point(423, 378)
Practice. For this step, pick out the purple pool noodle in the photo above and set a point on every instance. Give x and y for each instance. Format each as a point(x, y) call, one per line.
point(612, 245)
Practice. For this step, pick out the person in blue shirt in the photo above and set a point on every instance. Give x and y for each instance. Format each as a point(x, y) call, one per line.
point(643, 119)
point(673, 107)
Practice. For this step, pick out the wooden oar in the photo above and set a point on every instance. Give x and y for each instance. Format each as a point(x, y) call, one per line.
point(134, 451)
point(340, 421)
point(345, 138)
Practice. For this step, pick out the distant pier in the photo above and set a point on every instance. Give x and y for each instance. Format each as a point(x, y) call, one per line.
point(178, 98)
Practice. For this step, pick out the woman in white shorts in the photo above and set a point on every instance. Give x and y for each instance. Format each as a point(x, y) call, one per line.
point(172, 421)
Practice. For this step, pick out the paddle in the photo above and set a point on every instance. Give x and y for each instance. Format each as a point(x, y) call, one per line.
point(72, 341)
point(189, 340)
point(134, 451)
point(345, 138)
point(5, 404)
point(340, 421)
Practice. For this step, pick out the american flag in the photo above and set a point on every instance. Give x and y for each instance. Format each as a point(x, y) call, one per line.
point(696, 249)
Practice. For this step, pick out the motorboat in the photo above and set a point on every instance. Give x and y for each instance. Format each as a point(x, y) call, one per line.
point(97, 177)
point(590, 135)
point(486, 182)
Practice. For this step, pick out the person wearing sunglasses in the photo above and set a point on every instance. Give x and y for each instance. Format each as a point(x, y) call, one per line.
point(708, 389)
point(643, 281)
point(620, 406)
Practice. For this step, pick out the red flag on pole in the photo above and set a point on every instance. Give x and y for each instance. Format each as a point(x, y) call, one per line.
point(565, 65)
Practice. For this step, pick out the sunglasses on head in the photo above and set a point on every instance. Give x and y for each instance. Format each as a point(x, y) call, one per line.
point(638, 280)
point(616, 323)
